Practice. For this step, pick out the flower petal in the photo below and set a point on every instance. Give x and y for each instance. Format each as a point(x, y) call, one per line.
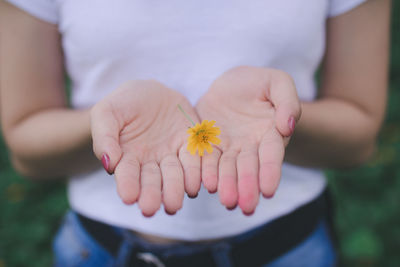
point(201, 137)
point(209, 148)
point(201, 152)
point(215, 140)
point(192, 150)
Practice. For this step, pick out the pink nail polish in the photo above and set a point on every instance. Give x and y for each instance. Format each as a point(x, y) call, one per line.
point(105, 160)
point(292, 124)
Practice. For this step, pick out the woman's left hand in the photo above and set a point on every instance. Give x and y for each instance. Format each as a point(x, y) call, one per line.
point(256, 110)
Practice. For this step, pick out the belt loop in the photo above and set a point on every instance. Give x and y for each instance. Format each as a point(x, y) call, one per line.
point(124, 254)
point(222, 254)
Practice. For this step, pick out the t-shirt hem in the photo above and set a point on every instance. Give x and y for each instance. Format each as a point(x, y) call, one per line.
point(228, 227)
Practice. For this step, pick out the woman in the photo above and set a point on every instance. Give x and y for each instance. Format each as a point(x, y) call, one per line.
point(193, 51)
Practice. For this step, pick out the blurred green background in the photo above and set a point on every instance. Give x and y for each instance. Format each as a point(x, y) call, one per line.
point(367, 199)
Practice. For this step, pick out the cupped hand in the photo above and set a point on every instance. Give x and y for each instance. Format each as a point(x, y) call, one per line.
point(139, 134)
point(256, 110)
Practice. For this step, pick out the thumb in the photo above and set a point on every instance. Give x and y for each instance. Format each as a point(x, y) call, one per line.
point(105, 134)
point(283, 95)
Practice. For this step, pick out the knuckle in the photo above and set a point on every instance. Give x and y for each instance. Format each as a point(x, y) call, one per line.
point(228, 158)
point(171, 163)
point(151, 169)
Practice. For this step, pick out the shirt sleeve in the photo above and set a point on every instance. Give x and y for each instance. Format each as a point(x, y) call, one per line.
point(338, 7)
point(45, 10)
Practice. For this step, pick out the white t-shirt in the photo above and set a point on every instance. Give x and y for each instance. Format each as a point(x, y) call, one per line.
point(186, 44)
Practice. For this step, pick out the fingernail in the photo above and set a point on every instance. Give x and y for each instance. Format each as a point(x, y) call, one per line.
point(105, 160)
point(170, 212)
point(248, 213)
point(292, 124)
point(231, 208)
point(193, 196)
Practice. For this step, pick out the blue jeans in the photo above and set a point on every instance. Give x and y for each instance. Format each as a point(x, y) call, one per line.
point(73, 246)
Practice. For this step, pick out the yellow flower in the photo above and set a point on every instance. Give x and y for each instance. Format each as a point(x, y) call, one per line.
point(200, 137)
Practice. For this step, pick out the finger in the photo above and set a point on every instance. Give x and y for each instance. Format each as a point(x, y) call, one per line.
point(209, 170)
point(105, 134)
point(191, 171)
point(172, 184)
point(286, 140)
point(271, 153)
point(282, 93)
point(127, 175)
point(227, 180)
point(248, 185)
point(150, 189)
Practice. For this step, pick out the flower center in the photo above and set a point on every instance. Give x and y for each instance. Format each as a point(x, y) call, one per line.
point(202, 136)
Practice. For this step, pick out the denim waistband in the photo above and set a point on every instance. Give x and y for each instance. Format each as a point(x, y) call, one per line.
point(276, 237)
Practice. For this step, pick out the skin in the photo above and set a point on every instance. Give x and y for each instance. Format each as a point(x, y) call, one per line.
point(45, 137)
point(339, 129)
point(146, 145)
point(48, 139)
point(253, 143)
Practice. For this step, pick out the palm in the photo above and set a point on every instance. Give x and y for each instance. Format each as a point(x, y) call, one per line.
point(154, 164)
point(252, 147)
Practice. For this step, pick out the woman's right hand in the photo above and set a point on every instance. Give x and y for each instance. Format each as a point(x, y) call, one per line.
point(139, 134)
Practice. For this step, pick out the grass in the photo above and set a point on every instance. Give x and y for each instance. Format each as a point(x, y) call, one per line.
point(30, 215)
point(366, 199)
